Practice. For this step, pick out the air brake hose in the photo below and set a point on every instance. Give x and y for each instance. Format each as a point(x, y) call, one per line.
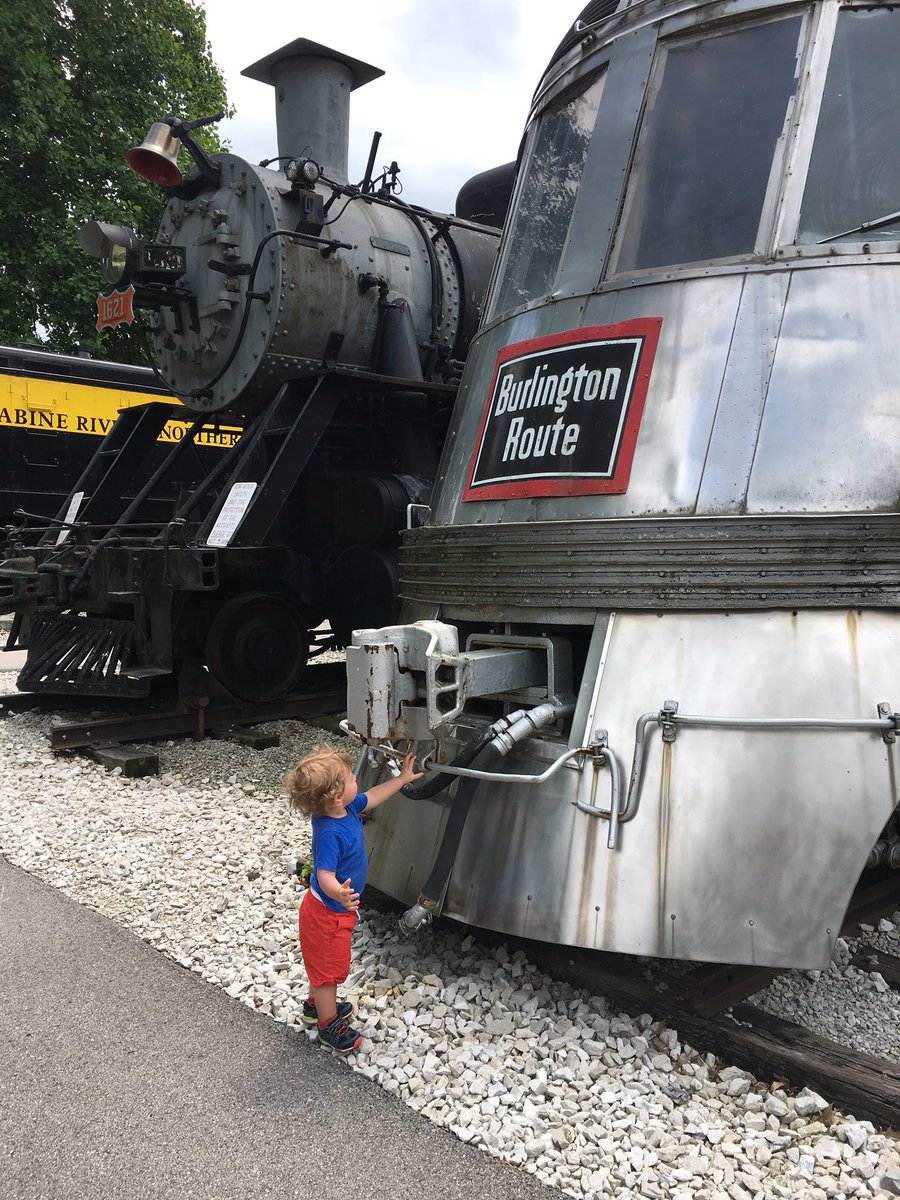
point(437, 783)
point(433, 888)
point(502, 736)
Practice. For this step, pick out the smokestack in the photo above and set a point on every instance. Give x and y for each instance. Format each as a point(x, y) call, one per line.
point(312, 101)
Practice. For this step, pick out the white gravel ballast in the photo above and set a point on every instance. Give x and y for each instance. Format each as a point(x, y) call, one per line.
point(200, 863)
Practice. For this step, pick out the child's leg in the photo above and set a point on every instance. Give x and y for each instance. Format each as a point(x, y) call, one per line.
point(325, 1000)
point(325, 947)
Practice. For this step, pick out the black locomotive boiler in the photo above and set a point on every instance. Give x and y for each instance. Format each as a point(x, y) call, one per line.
point(330, 321)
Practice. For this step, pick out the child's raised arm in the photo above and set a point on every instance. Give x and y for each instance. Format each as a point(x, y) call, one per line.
point(383, 791)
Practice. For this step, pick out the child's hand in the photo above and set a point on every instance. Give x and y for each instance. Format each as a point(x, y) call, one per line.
point(408, 772)
point(347, 896)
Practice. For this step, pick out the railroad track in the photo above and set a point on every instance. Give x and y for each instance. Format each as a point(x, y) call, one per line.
point(708, 1009)
point(769, 1046)
point(326, 693)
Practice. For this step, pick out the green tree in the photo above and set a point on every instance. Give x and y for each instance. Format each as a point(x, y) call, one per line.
point(82, 81)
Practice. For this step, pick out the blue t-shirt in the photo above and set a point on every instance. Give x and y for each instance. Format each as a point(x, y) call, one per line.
point(338, 845)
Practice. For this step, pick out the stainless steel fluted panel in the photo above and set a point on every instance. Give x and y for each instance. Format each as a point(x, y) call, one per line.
point(707, 562)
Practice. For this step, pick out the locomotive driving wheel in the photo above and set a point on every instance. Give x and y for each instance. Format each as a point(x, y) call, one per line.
point(257, 646)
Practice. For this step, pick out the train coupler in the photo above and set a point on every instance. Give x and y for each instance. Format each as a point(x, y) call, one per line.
point(412, 681)
point(21, 582)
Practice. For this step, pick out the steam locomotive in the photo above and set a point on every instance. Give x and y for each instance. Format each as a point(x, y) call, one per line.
point(328, 323)
point(650, 647)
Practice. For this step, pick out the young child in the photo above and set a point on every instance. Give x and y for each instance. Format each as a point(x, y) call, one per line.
point(323, 786)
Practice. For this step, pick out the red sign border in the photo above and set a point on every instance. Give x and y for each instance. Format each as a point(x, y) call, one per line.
point(647, 328)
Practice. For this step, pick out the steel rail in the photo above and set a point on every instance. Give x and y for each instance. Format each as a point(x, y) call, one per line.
point(193, 721)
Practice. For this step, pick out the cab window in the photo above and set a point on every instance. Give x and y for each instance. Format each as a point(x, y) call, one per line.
point(706, 147)
point(853, 185)
point(552, 176)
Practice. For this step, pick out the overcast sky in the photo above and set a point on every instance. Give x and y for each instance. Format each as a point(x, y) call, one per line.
point(458, 82)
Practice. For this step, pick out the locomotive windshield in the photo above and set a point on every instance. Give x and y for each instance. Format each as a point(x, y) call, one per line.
point(547, 197)
point(706, 148)
point(854, 173)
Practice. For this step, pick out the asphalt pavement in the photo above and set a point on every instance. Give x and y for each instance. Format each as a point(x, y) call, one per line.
point(125, 1076)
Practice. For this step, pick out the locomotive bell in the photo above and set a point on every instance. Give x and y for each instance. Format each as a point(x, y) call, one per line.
point(156, 158)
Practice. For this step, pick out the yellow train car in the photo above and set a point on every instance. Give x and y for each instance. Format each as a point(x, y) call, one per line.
point(54, 408)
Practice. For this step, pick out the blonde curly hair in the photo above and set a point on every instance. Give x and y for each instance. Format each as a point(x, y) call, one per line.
point(317, 779)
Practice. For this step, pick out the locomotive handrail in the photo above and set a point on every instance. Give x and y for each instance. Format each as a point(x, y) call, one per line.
point(637, 765)
point(411, 508)
point(665, 719)
point(166, 465)
point(428, 762)
point(613, 814)
point(505, 777)
point(886, 724)
point(668, 717)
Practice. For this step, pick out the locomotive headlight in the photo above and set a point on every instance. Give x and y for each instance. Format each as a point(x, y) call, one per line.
point(303, 171)
point(113, 263)
point(113, 245)
point(304, 174)
point(124, 258)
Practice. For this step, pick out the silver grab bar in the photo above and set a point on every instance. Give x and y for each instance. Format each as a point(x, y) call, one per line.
point(666, 718)
point(500, 777)
point(886, 725)
point(613, 814)
point(510, 731)
point(875, 724)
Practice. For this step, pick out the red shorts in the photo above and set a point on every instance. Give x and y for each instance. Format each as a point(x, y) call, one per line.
point(325, 942)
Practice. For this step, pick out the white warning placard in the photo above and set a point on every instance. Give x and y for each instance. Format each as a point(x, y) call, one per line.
point(231, 514)
point(68, 519)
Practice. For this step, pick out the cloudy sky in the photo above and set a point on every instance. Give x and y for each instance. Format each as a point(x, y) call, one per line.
point(458, 82)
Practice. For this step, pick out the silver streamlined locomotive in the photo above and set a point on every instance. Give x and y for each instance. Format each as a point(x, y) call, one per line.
point(650, 645)
point(330, 323)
